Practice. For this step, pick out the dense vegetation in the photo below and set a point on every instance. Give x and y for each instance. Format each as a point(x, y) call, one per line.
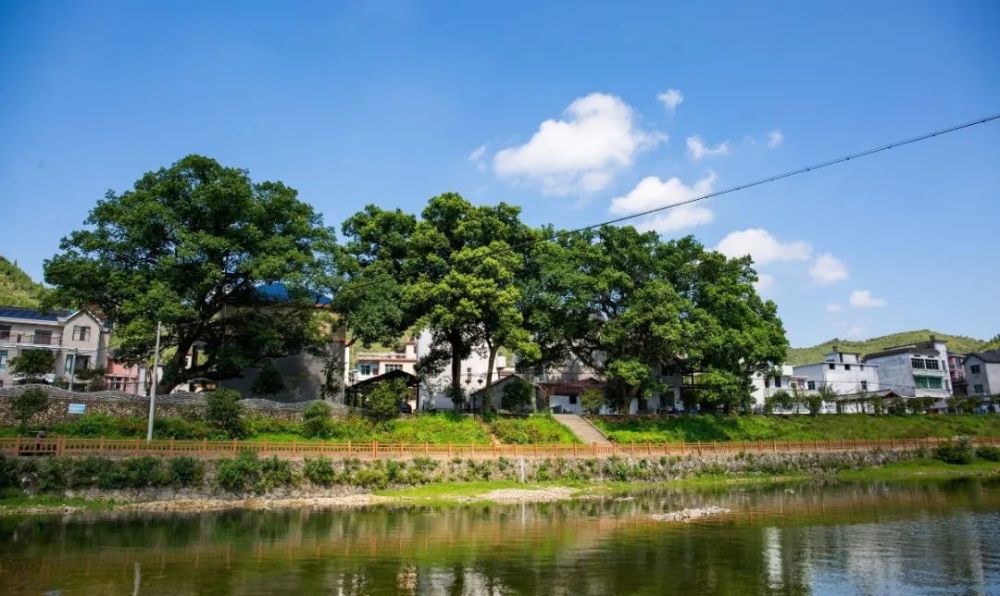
point(539, 428)
point(956, 343)
point(794, 428)
point(17, 288)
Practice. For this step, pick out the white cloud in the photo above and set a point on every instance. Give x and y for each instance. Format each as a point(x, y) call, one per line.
point(671, 98)
point(828, 269)
point(864, 299)
point(697, 148)
point(762, 246)
point(775, 138)
point(477, 155)
point(765, 283)
point(652, 192)
point(833, 307)
point(685, 216)
point(581, 153)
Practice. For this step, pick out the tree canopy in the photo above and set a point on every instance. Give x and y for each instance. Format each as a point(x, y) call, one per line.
point(189, 245)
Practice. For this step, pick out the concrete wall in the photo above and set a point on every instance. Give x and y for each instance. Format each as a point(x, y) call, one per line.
point(841, 380)
point(306, 376)
point(896, 373)
point(434, 389)
point(988, 377)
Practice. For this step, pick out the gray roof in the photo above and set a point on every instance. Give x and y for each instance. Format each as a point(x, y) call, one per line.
point(987, 356)
point(31, 314)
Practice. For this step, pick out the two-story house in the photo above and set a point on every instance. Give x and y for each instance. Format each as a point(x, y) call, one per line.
point(914, 370)
point(373, 363)
point(78, 339)
point(782, 378)
point(982, 372)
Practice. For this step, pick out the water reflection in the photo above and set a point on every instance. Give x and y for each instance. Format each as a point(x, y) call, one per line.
point(797, 539)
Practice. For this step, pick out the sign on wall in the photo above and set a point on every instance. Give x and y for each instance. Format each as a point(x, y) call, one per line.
point(77, 408)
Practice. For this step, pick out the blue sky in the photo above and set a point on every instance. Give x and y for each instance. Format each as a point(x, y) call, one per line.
point(564, 109)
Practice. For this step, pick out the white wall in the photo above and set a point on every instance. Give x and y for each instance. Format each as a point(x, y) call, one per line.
point(434, 390)
point(896, 373)
point(841, 380)
point(988, 377)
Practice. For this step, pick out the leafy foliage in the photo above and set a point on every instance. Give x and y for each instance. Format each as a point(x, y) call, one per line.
point(537, 428)
point(29, 402)
point(592, 399)
point(517, 395)
point(268, 381)
point(189, 245)
point(17, 288)
point(33, 364)
point(956, 452)
point(225, 412)
point(382, 402)
point(316, 422)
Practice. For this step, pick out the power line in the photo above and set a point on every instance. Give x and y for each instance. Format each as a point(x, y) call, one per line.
point(732, 189)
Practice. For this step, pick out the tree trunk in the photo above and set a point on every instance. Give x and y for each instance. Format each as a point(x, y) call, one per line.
point(456, 368)
point(489, 374)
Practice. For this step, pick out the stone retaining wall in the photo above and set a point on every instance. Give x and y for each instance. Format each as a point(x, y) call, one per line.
point(127, 405)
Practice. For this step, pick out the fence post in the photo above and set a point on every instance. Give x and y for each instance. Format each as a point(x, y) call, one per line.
point(348, 448)
point(427, 449)
point(60, 443)
point(171, 446)
point(449, 449)
point(204, 447)
point(17, 445)
point(374, 449)
point(774, 445)
point(234, 445)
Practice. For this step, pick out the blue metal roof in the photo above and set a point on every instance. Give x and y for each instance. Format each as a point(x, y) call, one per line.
point(13, 312)
point(278, 292)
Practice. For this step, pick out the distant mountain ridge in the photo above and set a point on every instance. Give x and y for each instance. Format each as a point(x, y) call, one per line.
point(956, 343)
point(17, 288)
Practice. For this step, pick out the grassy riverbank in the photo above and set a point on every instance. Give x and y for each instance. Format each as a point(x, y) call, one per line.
point(794, 428)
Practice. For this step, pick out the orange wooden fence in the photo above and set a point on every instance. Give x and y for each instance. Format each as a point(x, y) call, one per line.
point(70, 446)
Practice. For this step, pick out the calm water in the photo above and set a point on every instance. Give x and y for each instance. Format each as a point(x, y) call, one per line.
point(932, 538)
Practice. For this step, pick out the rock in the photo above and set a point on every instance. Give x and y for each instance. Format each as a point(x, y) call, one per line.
point(686, 515)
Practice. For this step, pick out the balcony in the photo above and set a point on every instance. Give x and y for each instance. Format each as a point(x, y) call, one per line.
point(29, 340)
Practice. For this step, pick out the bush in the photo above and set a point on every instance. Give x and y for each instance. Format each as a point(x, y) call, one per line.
point(592, 399)
point(268, 381)
point(383, 400)
point(239, 474)
point(316, 422)
point(275, 473)
point(142, 472)
point(29, 402)
point(517, 396)
point(92, 472)
point(958, 452)
point(226, 413)
point(186, 471)
point(53, 475)
point(173, 427)
point(319, 471)
point(10, 472)
point(989, 452)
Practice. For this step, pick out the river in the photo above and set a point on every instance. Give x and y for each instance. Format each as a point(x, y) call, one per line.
point(844, 538)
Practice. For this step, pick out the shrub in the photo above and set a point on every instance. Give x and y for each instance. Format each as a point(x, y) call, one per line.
point(517, 395)
point(383, 400)
point(268, 381)
point(316, 422)
point(91, 472)
point(29, 402)
point(260, 424)
point(52, 475)
point(186, 471)
point(319, 471)
point(989, 452)
point(592, 399)
point(10, 472)
point(173, 427)
point(33, 364)
point(957, 452)
point(141, 472)
point(275, 473)
point(226, 413)
point(239, 474)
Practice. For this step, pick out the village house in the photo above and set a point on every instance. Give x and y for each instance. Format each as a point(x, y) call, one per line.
point(843, 372)
point(982, 372)
point(78, 339)
point(373, 363)
point(915, 370)
point(433, 390)
point(782, 378)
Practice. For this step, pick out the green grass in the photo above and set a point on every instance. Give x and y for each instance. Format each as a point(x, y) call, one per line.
point(539, 428)
point(923, 468)
point(793, 428)
point(14, 500)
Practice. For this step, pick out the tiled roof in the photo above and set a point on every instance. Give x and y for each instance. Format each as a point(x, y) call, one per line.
point(13, 312)
point(987, 356)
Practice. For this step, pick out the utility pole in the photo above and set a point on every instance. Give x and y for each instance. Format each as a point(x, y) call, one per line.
point(72, 371)
point(152, 385)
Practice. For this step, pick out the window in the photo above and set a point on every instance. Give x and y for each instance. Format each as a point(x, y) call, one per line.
point(917, 362)
point(3, 361)
point(4, 331)
point(572, 400)
point(974, 369)
point(777, 382)
point(833, 366)
point(864, 385)
point(81, 333)
point(42, 338)
point(811, 385)
point(932, 364)
point(978, 389)
point(68, 366)
point(847, 367)
point(392, 367)
point(365, 369)
point(923, 382)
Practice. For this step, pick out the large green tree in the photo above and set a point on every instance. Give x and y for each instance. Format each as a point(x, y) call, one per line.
point(634, 308)
point(189, 245)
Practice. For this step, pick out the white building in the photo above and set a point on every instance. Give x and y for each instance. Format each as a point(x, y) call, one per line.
point(433, 390)
point(843, 372)
point(373, 363)
point(982, 372)
point(915, 370)
point(78, 340)
point(783, 378)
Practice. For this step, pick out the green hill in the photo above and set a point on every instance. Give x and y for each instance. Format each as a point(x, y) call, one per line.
point(17, 288)
point(956, 343)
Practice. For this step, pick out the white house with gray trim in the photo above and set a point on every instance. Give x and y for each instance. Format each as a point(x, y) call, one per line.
point(982, 372)
point(78, 339)
point(914, 370)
